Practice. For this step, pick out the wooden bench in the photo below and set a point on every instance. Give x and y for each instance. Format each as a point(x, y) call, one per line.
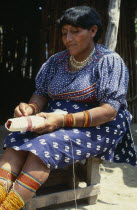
point(50, 193)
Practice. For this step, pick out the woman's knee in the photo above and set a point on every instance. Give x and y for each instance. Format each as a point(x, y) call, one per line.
point(36, 168)
point(13, 158)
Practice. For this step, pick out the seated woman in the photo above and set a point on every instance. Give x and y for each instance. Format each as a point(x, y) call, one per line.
point(88, 81)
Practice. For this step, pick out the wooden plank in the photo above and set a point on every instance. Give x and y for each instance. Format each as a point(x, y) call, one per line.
point(61, 197)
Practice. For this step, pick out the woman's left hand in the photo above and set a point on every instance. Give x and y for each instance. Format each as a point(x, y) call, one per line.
point(53, 122)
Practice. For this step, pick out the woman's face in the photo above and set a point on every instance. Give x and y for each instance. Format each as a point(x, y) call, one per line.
point(78, 41)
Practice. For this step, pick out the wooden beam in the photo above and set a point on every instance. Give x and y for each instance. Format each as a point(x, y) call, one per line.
point(61, 197)
point(113, 24)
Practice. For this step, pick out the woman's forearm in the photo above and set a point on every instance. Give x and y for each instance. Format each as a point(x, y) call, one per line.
point(39, 101)
point(99, 115)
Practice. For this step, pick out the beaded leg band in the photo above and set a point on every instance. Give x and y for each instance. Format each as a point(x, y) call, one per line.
point(13, 201)
point(27, 181)
point(3, 193)
point(5, 176)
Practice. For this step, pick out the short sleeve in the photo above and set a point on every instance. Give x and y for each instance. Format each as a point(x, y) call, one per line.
point(44, 76)
point(113, 80)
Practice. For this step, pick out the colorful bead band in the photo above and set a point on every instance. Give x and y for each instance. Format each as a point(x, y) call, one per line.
point(29, 182)
point(68, 120)
point(34, 108)
point(87, 118)
point(7, 175)
point(90, 117)
point(36, 104)
point(13, 201)
point(3, 193)
point(74, 120)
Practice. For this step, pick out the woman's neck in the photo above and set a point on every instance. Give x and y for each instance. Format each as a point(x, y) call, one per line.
point(81, 57)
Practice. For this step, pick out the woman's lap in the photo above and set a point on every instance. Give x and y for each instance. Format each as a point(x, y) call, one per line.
point(58, 148)
point(111, 141)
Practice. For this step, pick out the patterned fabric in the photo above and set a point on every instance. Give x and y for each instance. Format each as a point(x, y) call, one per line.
point(103, 80)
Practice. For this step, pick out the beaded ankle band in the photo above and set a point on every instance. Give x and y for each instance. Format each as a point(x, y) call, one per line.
point(13, 201)
point(6, 176)
point(3, 193)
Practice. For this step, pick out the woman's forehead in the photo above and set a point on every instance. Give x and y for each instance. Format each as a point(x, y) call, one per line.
point(69, 27)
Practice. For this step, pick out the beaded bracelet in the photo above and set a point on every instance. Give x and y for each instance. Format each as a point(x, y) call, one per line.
point(63, 121)
point(87, 119)
point(74, 120)
point(34, 108)
point(90, 117)
point(68, 120)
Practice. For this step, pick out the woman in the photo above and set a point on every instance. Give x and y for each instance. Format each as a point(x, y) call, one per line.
point(89, 82)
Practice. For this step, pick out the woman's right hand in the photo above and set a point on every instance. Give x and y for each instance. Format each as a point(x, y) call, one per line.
point(23, 109)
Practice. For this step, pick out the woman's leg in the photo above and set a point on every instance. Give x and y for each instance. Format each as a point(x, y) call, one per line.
point(13, 160)
point(35, 168)
point(11, 164)
point(33, 174)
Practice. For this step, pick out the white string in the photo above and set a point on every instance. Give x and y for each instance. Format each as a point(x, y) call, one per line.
point(74, 176)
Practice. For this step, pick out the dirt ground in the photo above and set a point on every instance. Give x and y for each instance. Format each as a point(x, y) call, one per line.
point(118, 186)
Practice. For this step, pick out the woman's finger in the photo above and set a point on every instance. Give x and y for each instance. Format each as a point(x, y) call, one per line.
point(41, 114)
point(22, 108)
point(17, 112)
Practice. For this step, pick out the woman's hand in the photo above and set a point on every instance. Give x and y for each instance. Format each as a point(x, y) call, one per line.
point(53, 122)
point(23, 109)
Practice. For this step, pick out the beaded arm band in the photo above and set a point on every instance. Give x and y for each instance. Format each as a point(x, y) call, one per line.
point(69, 120)
point(35, 107)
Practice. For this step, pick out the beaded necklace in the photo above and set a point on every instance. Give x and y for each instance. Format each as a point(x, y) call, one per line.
point(78, 65)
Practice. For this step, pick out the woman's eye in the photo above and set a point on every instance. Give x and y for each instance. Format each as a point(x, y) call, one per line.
point(64, 34)
point(74, 32)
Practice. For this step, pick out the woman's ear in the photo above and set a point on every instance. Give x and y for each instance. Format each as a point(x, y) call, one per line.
point(93, 30)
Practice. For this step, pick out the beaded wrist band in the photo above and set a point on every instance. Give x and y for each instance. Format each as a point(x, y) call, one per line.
point(69, 120)
point(63, 121)
point(74, 120)
point(87, 119)
point(90, 117)
point(35, 107)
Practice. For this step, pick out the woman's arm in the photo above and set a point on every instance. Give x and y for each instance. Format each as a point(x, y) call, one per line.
point(39, 101)
point(100, 115)
point(34, 106)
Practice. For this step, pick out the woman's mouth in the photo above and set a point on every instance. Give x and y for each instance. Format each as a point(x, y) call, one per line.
point(71, 46)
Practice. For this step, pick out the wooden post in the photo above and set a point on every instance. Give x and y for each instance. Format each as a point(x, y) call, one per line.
point(93, 176)
point(113, 24)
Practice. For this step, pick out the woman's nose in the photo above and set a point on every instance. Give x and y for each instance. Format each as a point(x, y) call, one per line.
point(69, 37)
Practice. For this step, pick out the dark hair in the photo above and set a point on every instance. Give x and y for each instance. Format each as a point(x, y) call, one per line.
point(82, 16)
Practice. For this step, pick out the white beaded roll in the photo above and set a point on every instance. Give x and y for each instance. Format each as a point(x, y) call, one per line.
point(24, 123)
